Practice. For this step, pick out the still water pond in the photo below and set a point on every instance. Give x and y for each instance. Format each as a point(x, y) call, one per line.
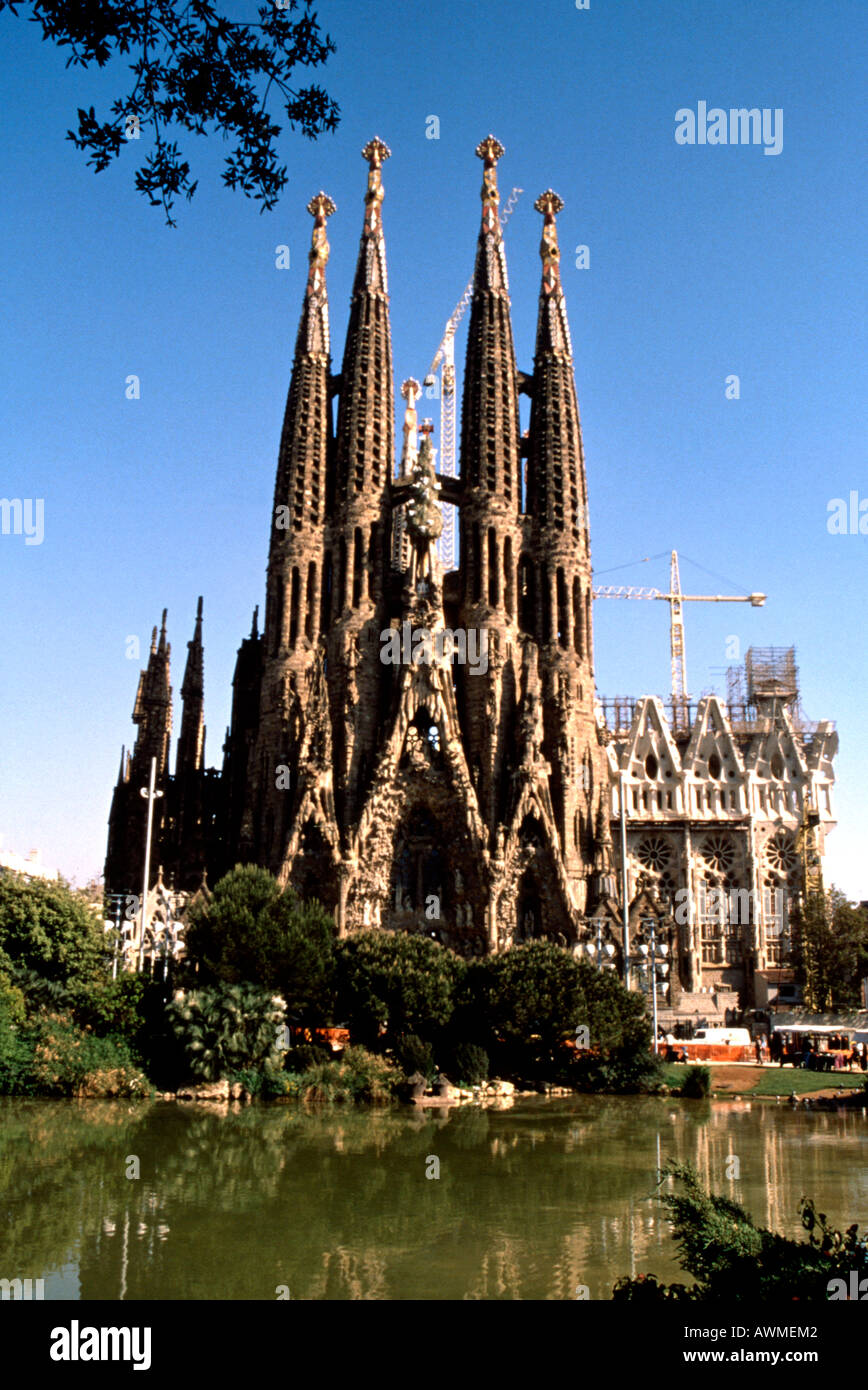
point(530, 1202)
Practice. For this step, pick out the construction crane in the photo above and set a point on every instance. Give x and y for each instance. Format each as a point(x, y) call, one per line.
point(675, 598)
point(444, 358)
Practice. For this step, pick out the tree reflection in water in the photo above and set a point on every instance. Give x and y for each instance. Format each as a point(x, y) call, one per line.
point(335, 1203)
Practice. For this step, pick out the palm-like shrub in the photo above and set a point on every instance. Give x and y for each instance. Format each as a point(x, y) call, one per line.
point(227, 1029)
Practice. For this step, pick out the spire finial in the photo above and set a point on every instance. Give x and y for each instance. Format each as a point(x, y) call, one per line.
point(375, 152)
point(254, 631)
point(320, 208)
point(490, 151)
point(549, 204)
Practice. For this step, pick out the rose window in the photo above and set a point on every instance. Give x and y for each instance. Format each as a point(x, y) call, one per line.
point(718, 852)
point(654, 853)
point(781, 853)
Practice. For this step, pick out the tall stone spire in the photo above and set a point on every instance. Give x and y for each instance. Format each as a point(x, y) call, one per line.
point(557, 504)
point(490, 516)
point(298, 589)
point(191, 743)
point(153, 707)
point(366, 415)
point(490, 421)
point(358, 542)
point(152, 713)
point(295, 557)
point(556, 491)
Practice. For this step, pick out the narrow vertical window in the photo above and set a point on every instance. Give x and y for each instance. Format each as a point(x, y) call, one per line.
point(342, 577)
point(293, 608)
point(310, 601)
point(493, 574)
point(357, 567)
point(563, 617)
point(277, 630)
point(508, 578)
point(577, 617)
point(527, 595)
point(546, 604)
point(325, 598)
point(373, 543)
point(476, 564)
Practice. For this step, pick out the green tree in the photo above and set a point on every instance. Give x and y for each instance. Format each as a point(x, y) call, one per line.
point(198, 71)
point(732, 1259)
point(535, 997)
point(252, 930)
point(830, 950)
point(395, 982)
point(48, 928)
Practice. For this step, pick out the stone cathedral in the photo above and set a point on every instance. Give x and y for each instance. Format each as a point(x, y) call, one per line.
point(425, 750)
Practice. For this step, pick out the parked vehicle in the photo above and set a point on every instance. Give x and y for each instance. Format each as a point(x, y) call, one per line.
point(735, 1037)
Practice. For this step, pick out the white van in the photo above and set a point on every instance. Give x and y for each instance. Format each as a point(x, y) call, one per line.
point(736, 1037)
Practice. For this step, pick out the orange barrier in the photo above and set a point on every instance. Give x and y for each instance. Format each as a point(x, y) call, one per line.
point(713, 1052)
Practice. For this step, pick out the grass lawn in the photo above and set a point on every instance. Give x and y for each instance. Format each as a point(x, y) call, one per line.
point(782, 1081)
point(767, 1081)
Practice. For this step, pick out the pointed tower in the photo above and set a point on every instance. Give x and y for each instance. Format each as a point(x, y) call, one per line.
point(152, 712)
point(193, 800)
point(294, 591)
point(490, 517)
point(559, 560)
point(191, 743)
point(357, 556)
point(238, 764)
point(153, 708)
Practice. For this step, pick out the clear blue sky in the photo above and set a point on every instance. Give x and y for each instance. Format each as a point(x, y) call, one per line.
point(705, 261)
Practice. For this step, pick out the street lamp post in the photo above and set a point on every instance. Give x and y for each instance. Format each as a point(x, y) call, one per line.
point(117, 899)
point(151, 795)
point(653, 962)
point(600, 948)
point(625, 897)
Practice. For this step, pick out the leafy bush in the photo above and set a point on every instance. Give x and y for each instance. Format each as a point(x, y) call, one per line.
point(13, 1002)
point(469, 1064)
point(40, 994)
point(731, 1259)
point(621, 1071)
point(414, 1055)
point(304, 1056)
point(111, 1008)
point(16, 1050)
point(267, 1082)
point(358, 1076)
point(70, 1061)
point(226, 1029)
point(696, 1084)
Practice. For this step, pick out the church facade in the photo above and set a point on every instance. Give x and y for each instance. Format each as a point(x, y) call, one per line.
point(426, 751)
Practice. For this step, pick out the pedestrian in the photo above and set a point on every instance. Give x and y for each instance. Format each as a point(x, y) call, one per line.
point(758, 1050)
